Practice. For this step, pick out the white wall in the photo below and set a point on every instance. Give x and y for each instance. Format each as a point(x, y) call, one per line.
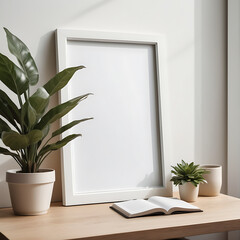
point(211, 84)
point(196, 82)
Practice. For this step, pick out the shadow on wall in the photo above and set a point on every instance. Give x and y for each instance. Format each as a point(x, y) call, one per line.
point(4, 193)
point(151, 180)
point(91, 8)
point(46, 52)
point(46, 57)
point(46, 62)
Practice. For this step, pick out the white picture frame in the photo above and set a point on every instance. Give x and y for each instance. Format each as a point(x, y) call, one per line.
point(125, 50)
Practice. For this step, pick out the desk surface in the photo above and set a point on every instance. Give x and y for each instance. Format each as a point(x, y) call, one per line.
point(99, 222)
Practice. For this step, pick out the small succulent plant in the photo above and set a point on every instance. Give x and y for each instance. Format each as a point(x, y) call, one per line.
point(185, 172)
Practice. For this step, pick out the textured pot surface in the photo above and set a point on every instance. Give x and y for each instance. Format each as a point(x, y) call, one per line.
point(188, 192)
point(214, 181)
point(30, 193)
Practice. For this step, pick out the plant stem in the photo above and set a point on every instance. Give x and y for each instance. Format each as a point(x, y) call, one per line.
point(20, 100)
point(42, 159)
point(46, 142)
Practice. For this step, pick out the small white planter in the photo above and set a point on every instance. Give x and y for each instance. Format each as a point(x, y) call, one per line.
point(214, 181)
point(30, 193)
point(188, 192)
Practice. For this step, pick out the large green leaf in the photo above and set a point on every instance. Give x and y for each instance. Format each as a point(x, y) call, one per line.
point(11, 105)
point(33, 109)
point(12, 76)
point(31, 115)
point(60, 80)
point(14, 140)
point(6, 113)
point(45, 130)
point(34, 136)
point(39, 101)
point(23, 55)
point(68, 126)
point(4, 127)
point(28, 116)
point(59, 144)
point(59, 111)
point(18, 141)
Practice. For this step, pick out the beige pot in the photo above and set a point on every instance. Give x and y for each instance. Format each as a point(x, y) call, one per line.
point(214, 181)
point(188, 192)
point(30, 193)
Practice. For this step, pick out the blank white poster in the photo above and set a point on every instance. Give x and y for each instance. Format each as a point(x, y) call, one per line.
point(120, 147)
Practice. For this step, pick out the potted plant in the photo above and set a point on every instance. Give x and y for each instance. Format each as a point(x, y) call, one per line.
point(24, 127)
point(188, 177)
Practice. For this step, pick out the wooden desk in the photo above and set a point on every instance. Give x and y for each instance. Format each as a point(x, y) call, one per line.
point(98, 222)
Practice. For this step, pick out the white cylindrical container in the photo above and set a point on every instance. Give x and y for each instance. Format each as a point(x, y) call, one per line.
point(214, 181)
point(188, 192)
point(30, 193)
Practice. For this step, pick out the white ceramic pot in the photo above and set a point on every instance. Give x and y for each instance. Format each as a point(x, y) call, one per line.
point(188, 192)
point(30, 193)
point(214, 181)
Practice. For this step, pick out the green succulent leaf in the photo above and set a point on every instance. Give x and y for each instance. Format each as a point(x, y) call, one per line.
point(59, 111)
point(185, 172)
point(60, 80)
point(68, 126)
point(59, 144)
point(22, 53)
point(18, 141)
point(12, 76)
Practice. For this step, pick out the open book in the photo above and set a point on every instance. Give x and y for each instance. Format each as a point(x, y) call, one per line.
point(154, 205)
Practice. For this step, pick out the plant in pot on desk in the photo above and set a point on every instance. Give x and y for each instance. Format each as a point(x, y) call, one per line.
point(188, 177)
point(24, 127)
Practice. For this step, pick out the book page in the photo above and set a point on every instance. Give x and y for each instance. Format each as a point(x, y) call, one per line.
point(172, 204)
point(135, 207)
